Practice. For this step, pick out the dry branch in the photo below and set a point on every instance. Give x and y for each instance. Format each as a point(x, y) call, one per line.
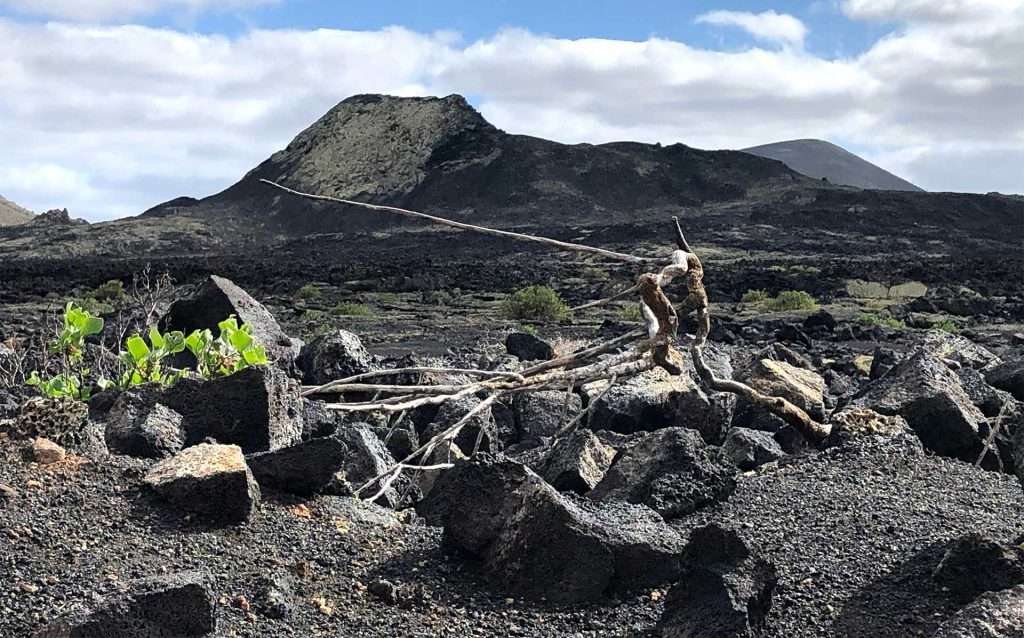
point(622, 357)
point(580, 248)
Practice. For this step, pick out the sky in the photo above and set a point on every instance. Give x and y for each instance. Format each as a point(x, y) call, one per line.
point(108, 107)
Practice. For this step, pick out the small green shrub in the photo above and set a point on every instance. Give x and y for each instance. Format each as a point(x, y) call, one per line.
point(69, 346)
point(631, 313)
point(535, 303)
point(350, 309)
point(233, 350)
point(309, 292)
point(528, 329)
point(111, 291)
point(144, 363)
point(791, 300)
point(871, 319)
point(755, 296)
point(947, 325)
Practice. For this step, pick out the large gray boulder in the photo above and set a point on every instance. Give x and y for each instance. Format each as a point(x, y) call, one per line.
point(672, 471)
point(924, 391)
point(367, 458)
point(974, 564)
point(259, 409)
point(537, 543)
point(725, 589)
point(217, 299)
point(334, 356)
point(210, 480)
point(655, 400)
point(179, 605)
point(802, 387)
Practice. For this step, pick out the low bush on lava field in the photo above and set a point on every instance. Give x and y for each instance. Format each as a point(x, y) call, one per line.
point(535, 303)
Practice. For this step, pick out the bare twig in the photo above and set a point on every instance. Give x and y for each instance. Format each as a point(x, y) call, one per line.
point(607, 300)
point(580, 248)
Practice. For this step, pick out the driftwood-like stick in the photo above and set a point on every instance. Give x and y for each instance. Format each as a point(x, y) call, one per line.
point(328, 388)
point(563, 245)
point(607, 300)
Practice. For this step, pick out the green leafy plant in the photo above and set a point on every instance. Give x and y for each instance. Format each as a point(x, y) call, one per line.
point(233, 350)
point(69, 347)
point(350, 309)
point(535, 303)
point(144, 363)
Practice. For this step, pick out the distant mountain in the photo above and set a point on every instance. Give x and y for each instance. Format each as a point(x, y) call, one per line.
point(440, 154)
point(11, 214)
point(818, 159)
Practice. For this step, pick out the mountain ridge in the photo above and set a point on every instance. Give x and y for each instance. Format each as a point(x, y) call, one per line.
point(13, 215)
point(822, 159)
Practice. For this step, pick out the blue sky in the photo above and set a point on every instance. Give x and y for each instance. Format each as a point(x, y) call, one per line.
point(112, 106)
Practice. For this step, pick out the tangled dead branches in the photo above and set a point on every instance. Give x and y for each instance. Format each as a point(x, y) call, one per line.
point(619, 358)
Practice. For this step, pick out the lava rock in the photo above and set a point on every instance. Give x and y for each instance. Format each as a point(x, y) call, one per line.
point(543, 414)
point(258, 409)
point(216, 300)
point(672, 471)
point(748, 449)
point(46, 452)
point(367, 458)
point(481, 426)
point(993, 615)
point(538, 543)
point(136, 424)
point(528, 347)
point(179, 605)
point(333, 356)
point(944, 345)
point(925, 392)
point(273, 596)
point(577, 462)
point(655, 400)
point(725, 589)
point(974, 564)
point(801, 387)
point(821, 320)
point(883, 360)
point(1008, 376)
point(303, 469)
point(210, 480)
point(855, 423)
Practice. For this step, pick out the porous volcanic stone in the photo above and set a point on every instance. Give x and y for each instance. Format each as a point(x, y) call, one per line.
point(305, 468)
point(179, 605)
point(725, 588)
point(748, 449)
point(333, 356)
point(138, 425)
point(258, 409)
point(672, 471)
point(577, 462)
point(1008, 376)
point(540, 414)
point(210, 480)
point(527, 347)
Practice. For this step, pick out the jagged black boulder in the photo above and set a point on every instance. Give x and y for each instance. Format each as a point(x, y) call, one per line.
point(725, 589)
point(672, 471)
point(336, 355)
point(179, 605)
point(305, 468)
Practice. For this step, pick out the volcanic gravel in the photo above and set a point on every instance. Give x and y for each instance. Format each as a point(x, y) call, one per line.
point(81, 529)
point(855, 533)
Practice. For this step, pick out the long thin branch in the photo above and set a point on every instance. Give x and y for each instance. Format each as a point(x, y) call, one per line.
point(580, 248)
point(329, 386)
point(607, 300)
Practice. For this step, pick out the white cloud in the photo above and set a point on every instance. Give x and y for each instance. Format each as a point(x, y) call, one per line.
point(139, 115)
point(120, 10)
point(767, 25)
